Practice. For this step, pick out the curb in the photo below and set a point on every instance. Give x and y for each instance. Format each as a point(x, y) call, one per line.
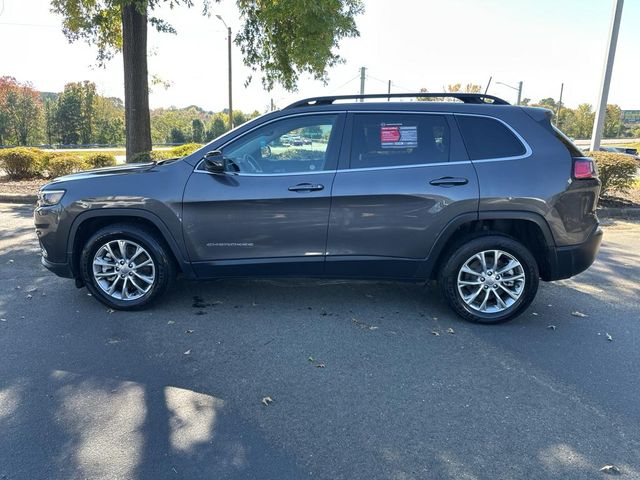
point(625, 212)
point(18, 198)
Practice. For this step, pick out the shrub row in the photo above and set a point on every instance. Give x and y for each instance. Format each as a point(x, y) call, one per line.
point(616, 171)
point(23, 162)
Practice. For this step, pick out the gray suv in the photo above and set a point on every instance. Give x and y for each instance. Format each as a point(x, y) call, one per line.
point(484, 197)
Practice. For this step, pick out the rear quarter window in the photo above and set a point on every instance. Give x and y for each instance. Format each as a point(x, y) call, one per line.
point(486, 138)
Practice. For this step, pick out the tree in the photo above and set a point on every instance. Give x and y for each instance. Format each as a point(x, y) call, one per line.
point(197, 130)
point(69, 114)
point(613, 124)
point(20, 111)
point(217, 128)
point(177, 136)
point(281, 38)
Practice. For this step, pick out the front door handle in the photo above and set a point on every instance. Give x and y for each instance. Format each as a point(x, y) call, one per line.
point(449, 181)
point(306, 187)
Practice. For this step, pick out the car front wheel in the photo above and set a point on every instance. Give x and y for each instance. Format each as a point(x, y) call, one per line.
point(489, 279)
point(126, 267)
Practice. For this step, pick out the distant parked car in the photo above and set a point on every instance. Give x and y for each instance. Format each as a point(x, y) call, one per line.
point(623, 150)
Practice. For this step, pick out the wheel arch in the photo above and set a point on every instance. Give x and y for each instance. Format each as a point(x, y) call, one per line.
point(88, 222)
point(529, 228)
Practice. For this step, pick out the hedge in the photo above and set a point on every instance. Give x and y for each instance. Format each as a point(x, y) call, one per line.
point(60, 165)
point(22, 162)
point(617, 171)
point(99, 160)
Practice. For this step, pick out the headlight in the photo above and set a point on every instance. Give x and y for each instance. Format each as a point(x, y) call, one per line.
point(47, 198)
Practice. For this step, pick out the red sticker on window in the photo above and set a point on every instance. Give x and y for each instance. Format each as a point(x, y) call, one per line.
point(398, 135)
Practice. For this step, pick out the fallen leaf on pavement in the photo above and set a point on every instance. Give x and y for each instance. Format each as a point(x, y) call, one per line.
point(534, 313)
point(188, 331)
point(170, 322)
point(450, 330)
point(611, 470)
point(311, 359)
point(111, 310)
point(10, 261)
point(551, 327)
point(579, 314)
point(3, 319)
point(266, 401)
point(372, 327)
point(29, 296)
point(188, 352)
point(609, 337)
point(320, 365)
point(433, 332)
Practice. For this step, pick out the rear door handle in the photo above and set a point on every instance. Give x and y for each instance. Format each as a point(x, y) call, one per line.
point(306, 187)
point(449, 181)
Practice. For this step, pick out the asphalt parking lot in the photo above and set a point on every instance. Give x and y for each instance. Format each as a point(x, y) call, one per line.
point(367, 380)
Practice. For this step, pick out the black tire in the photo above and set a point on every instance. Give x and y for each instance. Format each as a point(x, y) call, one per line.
point(165, 269)
point(458, 256)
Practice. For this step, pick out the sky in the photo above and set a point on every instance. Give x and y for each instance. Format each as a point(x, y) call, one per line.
point(413, 43)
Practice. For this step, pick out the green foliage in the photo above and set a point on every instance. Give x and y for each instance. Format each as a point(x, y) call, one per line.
point(75, 113)
point(20, 112)
point(21, 162)
point(616, 171)
point(283, 38)
point(99, 160)
point(177, 136)
point(216, 128)
point(60, 165)
point(184, 150)
point(197, 130)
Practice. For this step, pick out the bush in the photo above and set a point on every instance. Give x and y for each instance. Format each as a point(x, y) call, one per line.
point(60, 165)
point(617, 171)
point(99, 160)
point(22, 162)
point(184, 150)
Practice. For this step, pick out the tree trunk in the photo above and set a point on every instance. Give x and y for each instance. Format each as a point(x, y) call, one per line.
point(136, 83)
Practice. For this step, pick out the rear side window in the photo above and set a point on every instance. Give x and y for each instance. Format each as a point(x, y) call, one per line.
point(488, 138)
point(388, 140)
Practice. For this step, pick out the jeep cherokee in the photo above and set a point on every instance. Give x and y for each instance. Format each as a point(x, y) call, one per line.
point(485, 197)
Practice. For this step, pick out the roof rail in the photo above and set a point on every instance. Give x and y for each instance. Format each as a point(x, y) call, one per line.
point(477, 98)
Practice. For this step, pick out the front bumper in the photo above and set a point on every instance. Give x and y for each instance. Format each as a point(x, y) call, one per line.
point(60, 269)
point(568, 261)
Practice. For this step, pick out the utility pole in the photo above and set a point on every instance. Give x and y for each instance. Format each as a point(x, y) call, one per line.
point(559, 104)
point(389, 91)
point(362, 77)
point(601, 112)
point(518, 88)
point(230, 76)
point(519, 92)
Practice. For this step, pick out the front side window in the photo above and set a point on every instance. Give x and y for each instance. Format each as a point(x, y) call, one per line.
point(487, 138)
point(291, 145)
point(394, 139)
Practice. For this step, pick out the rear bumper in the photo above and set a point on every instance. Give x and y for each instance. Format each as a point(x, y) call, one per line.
point(60, 269)
point(568, 261)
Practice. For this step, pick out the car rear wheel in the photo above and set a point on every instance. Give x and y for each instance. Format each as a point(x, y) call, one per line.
point(126, 267)
point(489, 279)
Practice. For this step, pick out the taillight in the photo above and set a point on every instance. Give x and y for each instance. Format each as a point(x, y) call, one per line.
point(584, 168)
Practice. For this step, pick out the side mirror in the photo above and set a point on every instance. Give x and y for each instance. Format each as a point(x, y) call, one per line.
point(214, 162)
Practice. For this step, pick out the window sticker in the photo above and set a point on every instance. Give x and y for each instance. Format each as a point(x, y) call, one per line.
point(396, 135)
